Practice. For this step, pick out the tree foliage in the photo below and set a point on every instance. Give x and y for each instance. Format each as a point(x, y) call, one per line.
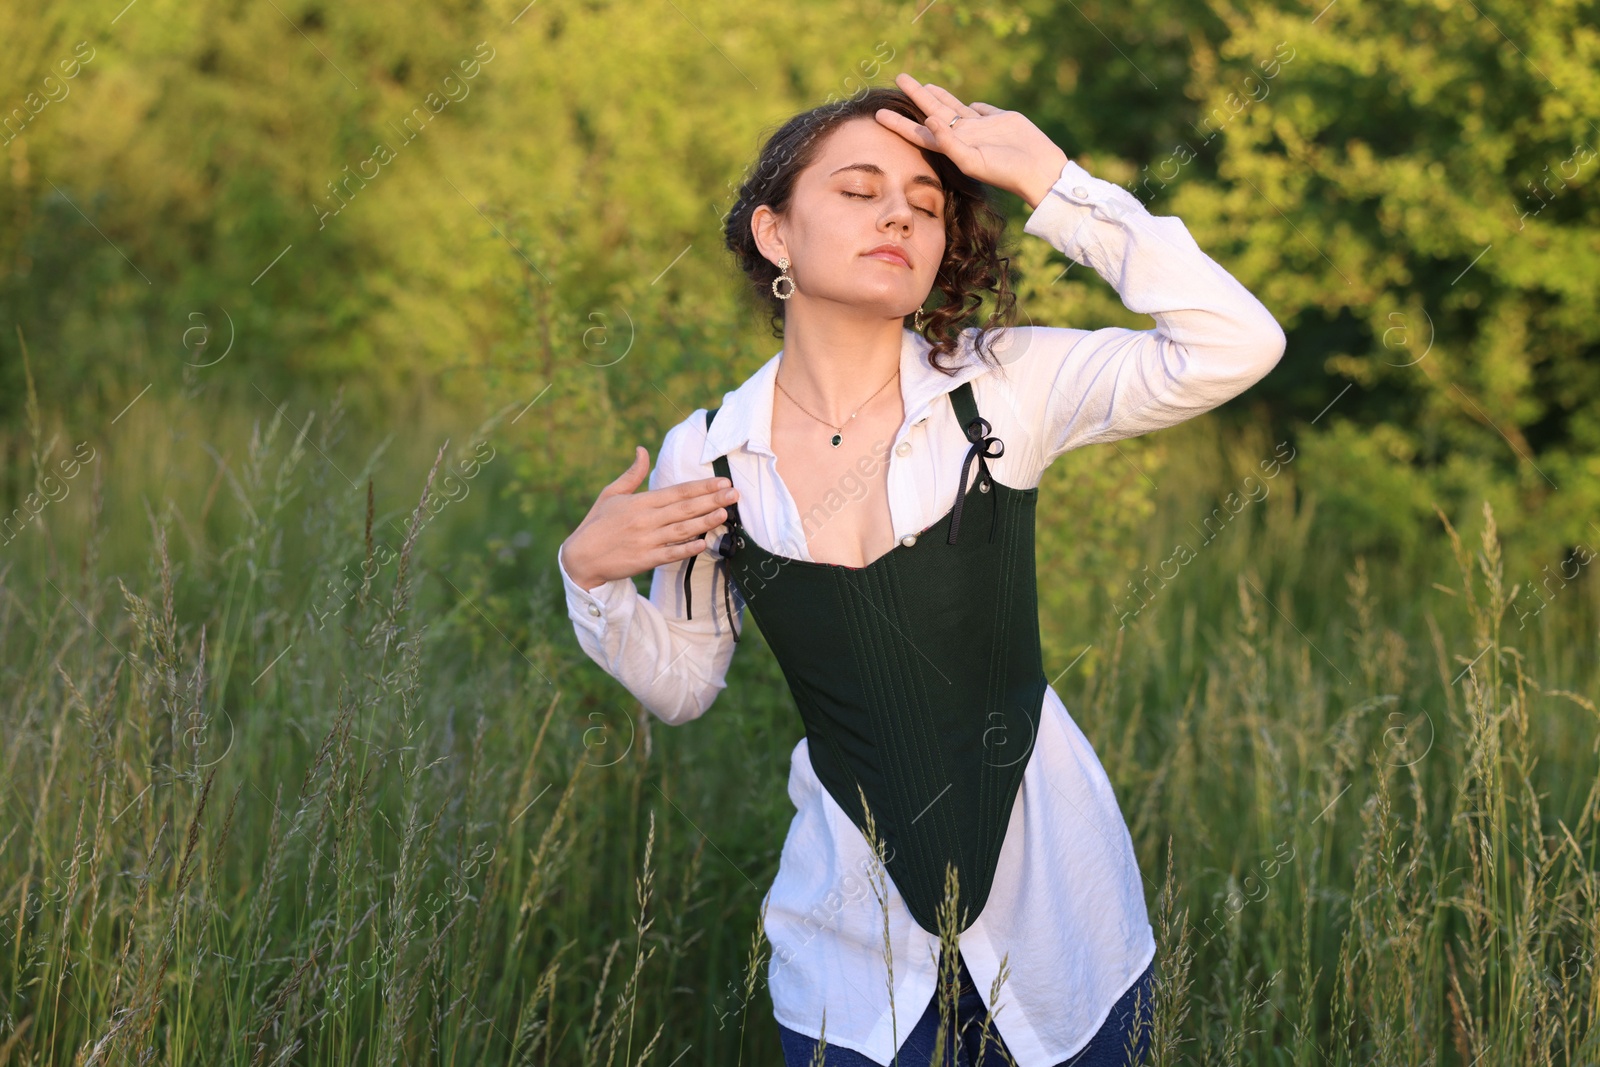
point(1408, 186)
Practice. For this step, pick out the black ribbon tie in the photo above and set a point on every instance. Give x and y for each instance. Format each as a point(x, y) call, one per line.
point(724, 544)
point(984, 448)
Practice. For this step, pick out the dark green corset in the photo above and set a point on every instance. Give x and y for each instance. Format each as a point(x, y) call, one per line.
point(918, 676)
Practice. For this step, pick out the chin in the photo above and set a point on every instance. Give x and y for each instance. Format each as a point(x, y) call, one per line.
point(879, 291)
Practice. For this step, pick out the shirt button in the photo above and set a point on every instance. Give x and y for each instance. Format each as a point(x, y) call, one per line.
point(1080, 192)
point(594, 609)
point(908, 540)
point(903, 448)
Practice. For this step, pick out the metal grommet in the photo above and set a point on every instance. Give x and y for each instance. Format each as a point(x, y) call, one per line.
point(983, 487)
point(739, 541)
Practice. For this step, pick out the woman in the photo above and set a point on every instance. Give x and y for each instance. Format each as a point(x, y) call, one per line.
point(898, 589)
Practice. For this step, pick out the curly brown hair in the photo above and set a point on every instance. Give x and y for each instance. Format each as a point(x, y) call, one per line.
point(973, 228)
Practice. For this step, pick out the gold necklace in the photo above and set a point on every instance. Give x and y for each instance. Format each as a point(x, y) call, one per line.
point(838, 435)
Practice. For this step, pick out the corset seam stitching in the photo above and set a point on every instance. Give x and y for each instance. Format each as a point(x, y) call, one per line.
point(921, 702)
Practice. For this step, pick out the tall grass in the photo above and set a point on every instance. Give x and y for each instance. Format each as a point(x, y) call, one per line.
point(243, 827)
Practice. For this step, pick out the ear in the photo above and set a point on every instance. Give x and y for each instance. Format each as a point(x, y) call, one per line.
point(767, 229)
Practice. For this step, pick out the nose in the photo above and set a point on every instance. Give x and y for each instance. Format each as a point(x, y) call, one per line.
point(899, 213)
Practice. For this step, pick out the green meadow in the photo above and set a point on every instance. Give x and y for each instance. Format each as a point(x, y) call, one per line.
point(301, 762)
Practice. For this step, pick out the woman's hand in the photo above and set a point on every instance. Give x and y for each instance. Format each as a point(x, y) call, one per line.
point(628, 533)
point(1003, 148)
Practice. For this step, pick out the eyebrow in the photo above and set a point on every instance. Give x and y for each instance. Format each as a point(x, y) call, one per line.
point(873, 168)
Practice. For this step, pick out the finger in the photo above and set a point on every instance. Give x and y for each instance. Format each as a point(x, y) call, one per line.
point(674, 495)
point(695, 527)
point(948, 141)
point(950, 101)
point(679, 510)
point(908, 85)
point(987, 109)
point(674, 553)
point(922, 96)
point(915, 133)
point(633, 477)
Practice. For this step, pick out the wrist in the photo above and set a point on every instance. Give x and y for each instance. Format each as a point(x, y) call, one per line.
point(577, 572)
point(1048, 174)
point(587, 583)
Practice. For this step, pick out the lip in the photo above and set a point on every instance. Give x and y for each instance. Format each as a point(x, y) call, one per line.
point(890, 254)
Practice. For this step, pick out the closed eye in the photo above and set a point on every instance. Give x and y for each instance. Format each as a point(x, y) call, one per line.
point(868, 196)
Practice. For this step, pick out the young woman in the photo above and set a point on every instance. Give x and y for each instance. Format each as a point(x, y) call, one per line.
point(869, 495)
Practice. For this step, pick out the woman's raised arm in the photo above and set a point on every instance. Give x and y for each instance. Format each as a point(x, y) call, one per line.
point(1212, 339)
point(1071, 387)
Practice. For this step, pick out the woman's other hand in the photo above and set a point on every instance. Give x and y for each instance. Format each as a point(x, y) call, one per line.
point(627, 533)
point(1003, 148)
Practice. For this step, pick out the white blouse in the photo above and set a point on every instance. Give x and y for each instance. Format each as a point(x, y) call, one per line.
point(1067, 908)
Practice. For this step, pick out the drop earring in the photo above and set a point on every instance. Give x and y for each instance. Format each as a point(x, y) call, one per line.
point(917, 321)
point(784, 276)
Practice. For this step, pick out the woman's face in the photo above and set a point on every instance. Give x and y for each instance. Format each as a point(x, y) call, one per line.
point(867, 187)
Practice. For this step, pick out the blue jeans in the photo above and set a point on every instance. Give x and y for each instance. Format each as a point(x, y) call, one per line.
point(1108, 1047)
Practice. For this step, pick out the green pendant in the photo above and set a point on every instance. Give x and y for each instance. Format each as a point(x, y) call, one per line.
point(836, 438)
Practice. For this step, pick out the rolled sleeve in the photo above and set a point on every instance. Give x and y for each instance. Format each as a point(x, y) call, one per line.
point(1066, 215)
point(1212, 340)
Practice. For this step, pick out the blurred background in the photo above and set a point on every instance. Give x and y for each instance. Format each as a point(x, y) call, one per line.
point(324, 324)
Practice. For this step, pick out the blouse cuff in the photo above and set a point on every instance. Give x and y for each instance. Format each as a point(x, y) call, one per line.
point(1075, 203)
point(593, 608)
